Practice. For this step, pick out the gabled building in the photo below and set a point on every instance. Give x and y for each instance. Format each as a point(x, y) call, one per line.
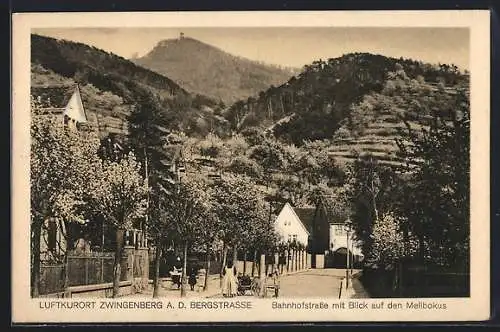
point(323, 230)
point(316, 222)
point(290, 227)
point(64, 103)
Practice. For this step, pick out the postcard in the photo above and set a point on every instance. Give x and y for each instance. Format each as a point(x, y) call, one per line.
point(197, 167)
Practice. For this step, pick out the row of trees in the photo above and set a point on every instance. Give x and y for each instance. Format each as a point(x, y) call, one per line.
point(420, 210)
point(72, 184)
point(74, 180)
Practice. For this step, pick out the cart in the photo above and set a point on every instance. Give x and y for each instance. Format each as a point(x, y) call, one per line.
point(247, 284)
point(176, 278)
point(272, 285)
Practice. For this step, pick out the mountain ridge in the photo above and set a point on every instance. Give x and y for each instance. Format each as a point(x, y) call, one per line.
point(72, 62)
point(206, 69)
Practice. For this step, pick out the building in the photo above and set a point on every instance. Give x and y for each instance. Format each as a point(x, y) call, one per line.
point(324, 232)
point(290, 227)
point(63, 103)
point(316, 222)
point(342, 239)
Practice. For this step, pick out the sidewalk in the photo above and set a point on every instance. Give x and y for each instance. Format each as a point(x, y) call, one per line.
point(168, 291)
point(355, 290)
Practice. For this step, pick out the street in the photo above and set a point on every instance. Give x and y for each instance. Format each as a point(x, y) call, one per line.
point(312, 283)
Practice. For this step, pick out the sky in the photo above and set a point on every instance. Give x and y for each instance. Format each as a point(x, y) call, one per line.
point(291, 47)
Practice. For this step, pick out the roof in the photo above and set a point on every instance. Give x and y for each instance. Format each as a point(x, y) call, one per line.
point(336, 215)
point(53, 96)
point(65, 98)
point(306, 215)
point(287, 205)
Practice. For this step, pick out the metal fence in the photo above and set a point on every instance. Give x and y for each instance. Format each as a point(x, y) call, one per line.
point(80, 270)
point(52, 279)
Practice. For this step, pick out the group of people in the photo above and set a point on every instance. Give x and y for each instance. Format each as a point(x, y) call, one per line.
point(176, 275)
point(229, 279)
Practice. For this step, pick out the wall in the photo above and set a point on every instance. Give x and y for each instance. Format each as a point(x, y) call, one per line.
point(99, 291)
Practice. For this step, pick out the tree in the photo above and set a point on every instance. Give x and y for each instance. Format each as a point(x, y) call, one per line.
point(61, 167)
point(187, 210)
point(119, 195)
point(237, 205)
point(389, 244)
point(148, 136)
point(437, 200)
point(371, 193)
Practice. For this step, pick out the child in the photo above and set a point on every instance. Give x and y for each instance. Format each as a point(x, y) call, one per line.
point(192, 278)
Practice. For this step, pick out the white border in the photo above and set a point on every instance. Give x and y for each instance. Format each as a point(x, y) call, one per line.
point(25, 309)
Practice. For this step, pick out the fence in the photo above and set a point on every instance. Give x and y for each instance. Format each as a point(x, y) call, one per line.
point(80, 270)
point(52, 279)
point(416, 283)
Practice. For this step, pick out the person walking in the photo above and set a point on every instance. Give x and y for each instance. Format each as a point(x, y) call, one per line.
point(192, 278)
point(229, 282)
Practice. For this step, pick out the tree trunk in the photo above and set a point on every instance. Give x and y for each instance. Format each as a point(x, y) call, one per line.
point(235, 258)
point(254, 262)
point(224, 259)
point(205, 285)
point(156, 281)
point(262, 273)
point(36, 229)
point(244, 262)
point(184, 271)
point(117, 263)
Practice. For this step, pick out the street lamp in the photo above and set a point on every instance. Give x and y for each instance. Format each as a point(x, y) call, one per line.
point(347, 227)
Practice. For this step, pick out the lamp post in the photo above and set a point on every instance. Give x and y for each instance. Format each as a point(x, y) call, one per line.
point(347, 266)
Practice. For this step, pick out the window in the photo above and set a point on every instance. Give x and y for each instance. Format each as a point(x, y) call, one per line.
point(289, 237)
point(294, 237)
point(339, 230)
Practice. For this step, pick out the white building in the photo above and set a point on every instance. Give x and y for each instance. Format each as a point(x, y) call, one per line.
point(289, 226)
point(338, 240)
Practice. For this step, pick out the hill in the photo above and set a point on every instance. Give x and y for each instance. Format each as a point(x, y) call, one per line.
point(112, 85)
point(358, 103)
point(205, 69)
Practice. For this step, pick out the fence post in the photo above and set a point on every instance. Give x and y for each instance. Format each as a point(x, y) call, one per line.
point(340, 290)
point(102, 269)
point(86, 270)
point(66, 272)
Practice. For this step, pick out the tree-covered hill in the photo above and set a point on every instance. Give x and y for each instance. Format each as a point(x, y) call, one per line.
point(205, 69)
point(314, 104)
point(116, 85)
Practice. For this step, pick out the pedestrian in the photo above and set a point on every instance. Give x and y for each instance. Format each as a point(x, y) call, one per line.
point(177, 273)
point(229, 282)
point(192, 278)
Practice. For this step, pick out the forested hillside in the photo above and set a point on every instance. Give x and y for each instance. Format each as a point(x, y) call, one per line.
point(115, 86)
point(314, 104)
point(205, 69)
